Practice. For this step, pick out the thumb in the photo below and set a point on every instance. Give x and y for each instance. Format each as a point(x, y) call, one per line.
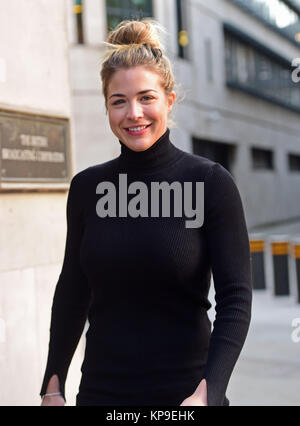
point(202, 389)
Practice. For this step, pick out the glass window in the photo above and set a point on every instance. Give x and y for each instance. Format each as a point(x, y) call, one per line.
point(249, 69)
point(281, 15)
point(294, 162)
point(262, 159)
point(118, 10)
point(78, 11)
point(222, 153)
point(182, 29)
point(208, 59)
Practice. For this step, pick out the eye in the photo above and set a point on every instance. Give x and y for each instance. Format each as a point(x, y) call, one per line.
point(116, 103)
point(149, 97)
point(146, 97)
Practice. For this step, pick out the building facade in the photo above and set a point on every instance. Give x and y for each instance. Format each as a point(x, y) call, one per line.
point(35, 169)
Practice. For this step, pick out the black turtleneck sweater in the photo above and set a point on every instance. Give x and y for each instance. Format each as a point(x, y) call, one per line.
point(142, 283)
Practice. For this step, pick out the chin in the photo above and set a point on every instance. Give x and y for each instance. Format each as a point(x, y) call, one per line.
point(139, 145)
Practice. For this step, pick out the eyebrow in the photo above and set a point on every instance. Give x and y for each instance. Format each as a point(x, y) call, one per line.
point(139, 93)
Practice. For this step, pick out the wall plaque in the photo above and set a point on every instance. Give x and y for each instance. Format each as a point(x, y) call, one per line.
point(33, 149)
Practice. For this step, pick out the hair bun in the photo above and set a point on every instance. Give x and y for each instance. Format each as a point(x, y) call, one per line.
point(143, 32)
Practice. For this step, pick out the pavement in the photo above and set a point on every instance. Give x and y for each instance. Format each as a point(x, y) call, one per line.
point(267, 372)
point(289, 228)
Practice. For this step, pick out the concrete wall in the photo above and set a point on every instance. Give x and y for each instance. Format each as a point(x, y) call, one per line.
point(242, 120)
point(35, 53)
point(35, 77)
point(95, 142)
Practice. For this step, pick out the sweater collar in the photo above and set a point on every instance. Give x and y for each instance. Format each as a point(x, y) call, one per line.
point(161, 153)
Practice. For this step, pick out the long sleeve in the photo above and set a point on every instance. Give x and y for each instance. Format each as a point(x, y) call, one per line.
point(229, 253)
point(71, 297)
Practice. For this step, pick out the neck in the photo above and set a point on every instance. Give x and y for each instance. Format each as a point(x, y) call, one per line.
point(161, 153)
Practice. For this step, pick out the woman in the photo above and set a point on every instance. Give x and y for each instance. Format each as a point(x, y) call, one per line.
point(141, 275)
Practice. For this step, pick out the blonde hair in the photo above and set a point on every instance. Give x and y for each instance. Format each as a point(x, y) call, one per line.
point(137, 43)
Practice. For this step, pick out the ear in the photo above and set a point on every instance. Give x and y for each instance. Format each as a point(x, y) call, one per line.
point(171, 100)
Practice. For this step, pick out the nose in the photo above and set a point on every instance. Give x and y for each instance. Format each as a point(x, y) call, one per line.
point(135, 111)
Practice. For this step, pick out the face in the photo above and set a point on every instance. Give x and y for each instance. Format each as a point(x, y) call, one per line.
point(136, 98)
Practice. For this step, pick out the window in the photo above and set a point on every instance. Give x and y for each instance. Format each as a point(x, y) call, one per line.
point(294, 162)
point(282, 16)
point(78, 10)
point(118, 10)
point(208, 59)
point(182, 33)
point(257, 70)
point(262, 159)
point(223, 153)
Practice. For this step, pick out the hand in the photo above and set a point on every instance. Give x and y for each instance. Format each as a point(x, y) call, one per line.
point(53, 401)
point(199, 397)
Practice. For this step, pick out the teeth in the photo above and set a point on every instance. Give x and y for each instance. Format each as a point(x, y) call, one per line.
point(136, 129)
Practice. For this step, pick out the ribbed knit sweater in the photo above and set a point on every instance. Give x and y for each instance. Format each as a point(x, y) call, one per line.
point(143, 283)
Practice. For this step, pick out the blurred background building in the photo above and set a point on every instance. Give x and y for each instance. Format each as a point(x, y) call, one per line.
point(240, 107)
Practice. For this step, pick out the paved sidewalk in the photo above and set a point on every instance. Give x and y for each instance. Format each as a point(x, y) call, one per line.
point(268, 369)
point(289, 228)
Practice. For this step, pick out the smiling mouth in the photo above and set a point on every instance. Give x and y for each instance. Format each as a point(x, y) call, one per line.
point(141, 125)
